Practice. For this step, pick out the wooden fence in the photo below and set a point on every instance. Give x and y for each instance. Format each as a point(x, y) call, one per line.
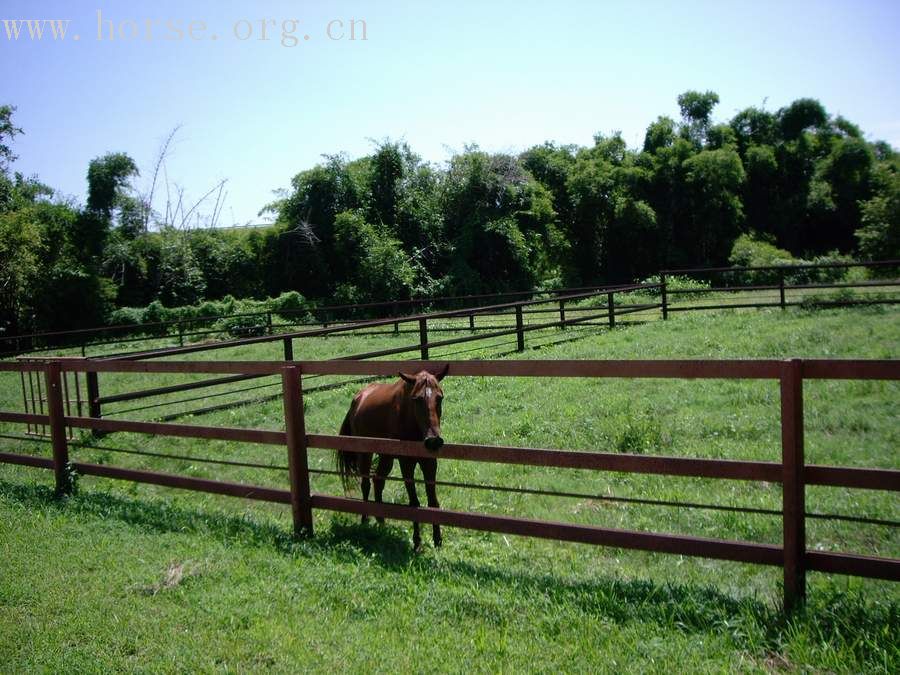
point(267, 322)
point(610, 311)
point(780, 282)
point(792, 471)
point(781, 286)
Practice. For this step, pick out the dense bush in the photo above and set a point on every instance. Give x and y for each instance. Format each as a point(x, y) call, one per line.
point(227, 314)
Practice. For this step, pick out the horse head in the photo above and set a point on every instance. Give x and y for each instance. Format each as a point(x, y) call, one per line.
point(426, 396)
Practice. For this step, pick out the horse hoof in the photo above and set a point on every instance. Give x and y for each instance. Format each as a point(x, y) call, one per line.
point(380, 521)
point(438, 543)
point(364, 520)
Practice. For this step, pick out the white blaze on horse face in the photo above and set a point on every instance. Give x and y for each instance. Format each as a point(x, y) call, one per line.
point(427, 392)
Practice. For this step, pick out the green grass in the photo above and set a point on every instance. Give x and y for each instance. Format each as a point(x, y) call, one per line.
point(127, 576)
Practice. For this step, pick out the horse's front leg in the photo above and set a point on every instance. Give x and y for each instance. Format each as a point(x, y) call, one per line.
point(365, 468)
point(408, 469)
point(429, 471)
point(382, 471)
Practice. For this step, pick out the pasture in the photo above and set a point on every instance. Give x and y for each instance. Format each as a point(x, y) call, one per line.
point(133, 576)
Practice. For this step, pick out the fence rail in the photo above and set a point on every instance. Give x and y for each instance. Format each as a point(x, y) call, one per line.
point(792, 472)
point(611, 311)
point(264, 321)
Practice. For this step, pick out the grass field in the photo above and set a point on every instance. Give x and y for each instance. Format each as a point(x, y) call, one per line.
point(127, 576)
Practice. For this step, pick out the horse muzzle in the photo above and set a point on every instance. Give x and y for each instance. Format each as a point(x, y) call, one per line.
point(434, 443)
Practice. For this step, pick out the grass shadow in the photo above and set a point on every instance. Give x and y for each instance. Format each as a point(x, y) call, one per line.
point(836, 616)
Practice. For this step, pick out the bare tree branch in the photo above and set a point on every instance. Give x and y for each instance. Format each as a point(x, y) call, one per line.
point(147, 202)
point(186, 216)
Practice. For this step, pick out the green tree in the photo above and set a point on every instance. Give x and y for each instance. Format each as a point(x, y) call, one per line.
point(181, 280)
point(20, 264)
point(660, 134)
point(879, 236)
point(714, 179)
point(109, 184)
point(754, 126)
point(377, 268)
point(8, 132)
point(802, 114)
point(696, 111)
point(500, 223)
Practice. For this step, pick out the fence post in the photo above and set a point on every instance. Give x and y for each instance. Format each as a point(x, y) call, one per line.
point(520, 330)
point(423, 338)
point(288, 349)
point(295, 428)
point(268, 323)
point(180, 335)
point(472, 321)
point(665, 300)
point(58, 429)
point(562, 313)
point(793, 487)
point(93, 394)
point(611, 305)
point(781, 290)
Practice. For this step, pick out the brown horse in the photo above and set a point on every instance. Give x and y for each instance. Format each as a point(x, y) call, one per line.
point(408, 410)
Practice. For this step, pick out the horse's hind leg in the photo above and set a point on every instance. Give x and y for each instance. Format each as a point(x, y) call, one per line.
point(382, 471)
point(365, 468)
point(408, 469)
point(429, 471)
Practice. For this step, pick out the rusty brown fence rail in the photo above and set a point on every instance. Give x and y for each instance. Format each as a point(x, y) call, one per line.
point(780, 286)
point(608, 314)
point(792, 472)
point(262, 322)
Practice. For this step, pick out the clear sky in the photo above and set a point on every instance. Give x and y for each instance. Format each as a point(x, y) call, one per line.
point(438, 74)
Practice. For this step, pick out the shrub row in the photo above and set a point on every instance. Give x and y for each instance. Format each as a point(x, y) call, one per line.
point(237, 317)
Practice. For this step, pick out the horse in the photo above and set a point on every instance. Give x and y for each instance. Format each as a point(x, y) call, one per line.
point(407, 410)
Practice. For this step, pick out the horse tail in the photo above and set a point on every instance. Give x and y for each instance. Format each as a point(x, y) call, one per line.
point(347, 462)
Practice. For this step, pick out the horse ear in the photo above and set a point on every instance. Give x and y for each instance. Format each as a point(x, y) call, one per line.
point(441, 375)
point(411, 379)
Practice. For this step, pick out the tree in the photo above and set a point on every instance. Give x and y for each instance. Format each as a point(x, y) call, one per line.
point(660, 134)
point(848, 172)
point(20, 254)
point(377, 268)
point(387, 168)
point(696, 111)
point(108, 179)
point(181, 281)
point(879, 236)
point(8, 131)
point(761, 188)
point(754, 126)
point(500, 222)
point(802, 114)
point(714, 179)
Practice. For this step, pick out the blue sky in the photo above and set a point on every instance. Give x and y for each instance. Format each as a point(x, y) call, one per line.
point(505, 75)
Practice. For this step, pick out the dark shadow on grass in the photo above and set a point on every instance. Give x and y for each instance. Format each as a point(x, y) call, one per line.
point(389, 544)
point(837, 616)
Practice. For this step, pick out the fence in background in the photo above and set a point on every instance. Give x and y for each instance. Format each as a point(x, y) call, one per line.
point(608, 310)
point(815, 286)
point(780, 282)
point(792, 472)
point(257, 323)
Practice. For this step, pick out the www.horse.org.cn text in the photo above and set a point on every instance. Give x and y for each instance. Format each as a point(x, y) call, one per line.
point(286, 32)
